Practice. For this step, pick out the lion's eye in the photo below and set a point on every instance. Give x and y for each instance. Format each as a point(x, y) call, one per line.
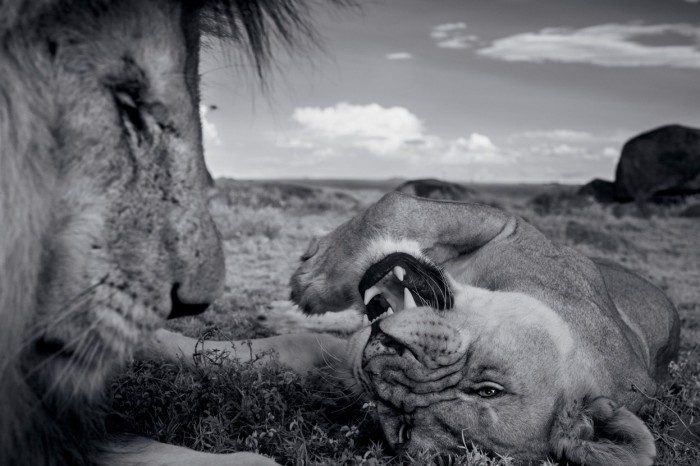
point(311, 250)
point(488, 391)
point(129, 105)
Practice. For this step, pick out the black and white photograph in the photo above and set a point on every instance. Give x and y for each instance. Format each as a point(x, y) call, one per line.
point(349, 232)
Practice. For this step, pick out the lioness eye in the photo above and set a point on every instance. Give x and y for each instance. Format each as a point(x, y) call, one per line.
point(488, 392)
point(311, 250)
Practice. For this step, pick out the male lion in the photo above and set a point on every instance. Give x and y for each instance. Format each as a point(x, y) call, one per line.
point(483, 331)
point(105, 227)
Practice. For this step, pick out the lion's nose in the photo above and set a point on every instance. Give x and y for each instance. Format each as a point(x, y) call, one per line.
point(432, 340)
point(181, 309)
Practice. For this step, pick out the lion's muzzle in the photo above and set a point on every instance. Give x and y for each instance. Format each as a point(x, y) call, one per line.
point(181, 309)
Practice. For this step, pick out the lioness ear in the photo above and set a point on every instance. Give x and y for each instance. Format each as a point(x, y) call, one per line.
point(599, 432)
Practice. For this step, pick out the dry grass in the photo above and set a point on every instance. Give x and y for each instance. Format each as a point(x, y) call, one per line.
point(306, 421)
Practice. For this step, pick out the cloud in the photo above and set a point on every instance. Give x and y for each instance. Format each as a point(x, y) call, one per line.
point(209, 130)
point(392, 133)
point(610, 45)
point(556, 134)
point(452, 36)
point(612, 152)
point(475, 149)
point(381, 131)
point(568, 136)
point(392, 141)
point(398, 56)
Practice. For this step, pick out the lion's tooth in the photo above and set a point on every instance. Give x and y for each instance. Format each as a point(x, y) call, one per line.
point(371, 293)
point(402, 429)
point(399, 272)
point(379, 317)
point(408, 301)
point(389, 312)
point(366, 321)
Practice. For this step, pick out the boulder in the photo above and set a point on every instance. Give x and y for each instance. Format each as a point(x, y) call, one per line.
point(600, 190)
point(692, 211)
point(659, 163)
point(436, 189)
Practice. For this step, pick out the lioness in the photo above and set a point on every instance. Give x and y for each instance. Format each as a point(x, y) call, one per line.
point(105, 229)
point(483, 331)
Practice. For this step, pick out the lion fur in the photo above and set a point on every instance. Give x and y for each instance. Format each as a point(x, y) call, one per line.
point(39, 426)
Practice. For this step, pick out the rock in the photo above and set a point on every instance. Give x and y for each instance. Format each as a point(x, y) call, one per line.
point(436, 189)
point(600, 190)
point(692, 211)
point(557, 200)
point(659, 163)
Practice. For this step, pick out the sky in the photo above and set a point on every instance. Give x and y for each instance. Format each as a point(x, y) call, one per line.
point(464, 90)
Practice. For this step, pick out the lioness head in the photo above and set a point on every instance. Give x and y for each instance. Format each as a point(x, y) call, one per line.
point(450, 365)
point(451, 361)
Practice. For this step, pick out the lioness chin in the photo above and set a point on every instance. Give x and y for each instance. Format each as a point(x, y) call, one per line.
point(482, 331)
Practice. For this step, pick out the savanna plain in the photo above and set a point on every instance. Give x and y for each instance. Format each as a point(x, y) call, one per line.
point(224, 406)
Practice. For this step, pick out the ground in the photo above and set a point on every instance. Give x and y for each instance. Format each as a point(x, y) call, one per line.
point(265, 408)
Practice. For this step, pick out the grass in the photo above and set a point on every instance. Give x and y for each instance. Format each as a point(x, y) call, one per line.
point(223, 406)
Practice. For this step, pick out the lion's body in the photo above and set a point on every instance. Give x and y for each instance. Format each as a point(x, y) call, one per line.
point(521, 346)
point(634, 298)
point(106, 232)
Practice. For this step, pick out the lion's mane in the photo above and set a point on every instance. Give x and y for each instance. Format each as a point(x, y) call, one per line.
point(39, 426)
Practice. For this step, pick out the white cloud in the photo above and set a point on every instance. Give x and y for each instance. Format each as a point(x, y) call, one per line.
point(209, 130)
point(381, 131)
point(392, 141)
point(392, 133)
point(398, 56)
point(612, 152)
point(443, 31)
point(452, 36)
point(610, 45)
point(476, 149)
point(556, 134)
point(569, 136)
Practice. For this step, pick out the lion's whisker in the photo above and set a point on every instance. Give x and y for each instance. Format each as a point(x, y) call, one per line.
point(68, 310)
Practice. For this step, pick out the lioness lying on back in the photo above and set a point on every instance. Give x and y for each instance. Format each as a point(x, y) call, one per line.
point(483, 331)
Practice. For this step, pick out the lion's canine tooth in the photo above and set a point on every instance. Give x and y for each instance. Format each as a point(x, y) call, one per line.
point(389, 311)
point(371, 293)
point(399, 272)
point(402, 430)
point(408, 301)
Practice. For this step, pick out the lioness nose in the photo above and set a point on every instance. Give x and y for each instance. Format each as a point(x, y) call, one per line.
point(180, 309)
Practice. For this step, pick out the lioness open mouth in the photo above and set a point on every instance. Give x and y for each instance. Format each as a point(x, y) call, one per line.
point(401, 281)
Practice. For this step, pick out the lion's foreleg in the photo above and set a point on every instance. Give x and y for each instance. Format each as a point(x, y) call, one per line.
point(301, 352)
